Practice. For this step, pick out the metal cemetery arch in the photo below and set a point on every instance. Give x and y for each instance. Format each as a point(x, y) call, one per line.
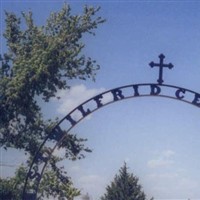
point(91, 105)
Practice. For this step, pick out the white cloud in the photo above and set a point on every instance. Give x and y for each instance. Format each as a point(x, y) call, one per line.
point(168, 153)
point(169, 180)
point(70, 99)
point(165, 176)
point(164, 159)
point(90, 179)
point(173, 185)
point(160, 162)
point(92, 184)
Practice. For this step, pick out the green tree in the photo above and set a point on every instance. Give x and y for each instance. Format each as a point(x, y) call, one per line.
point(125, 186)
point(51, 186)
point(40, 61)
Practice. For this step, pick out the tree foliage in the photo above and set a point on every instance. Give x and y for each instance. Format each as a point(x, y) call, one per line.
point(43, 61)
point(40, 61)
point(125, 186)
point(51, 186)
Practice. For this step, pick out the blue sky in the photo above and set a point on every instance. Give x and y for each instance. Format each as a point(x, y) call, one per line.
point(158, 138)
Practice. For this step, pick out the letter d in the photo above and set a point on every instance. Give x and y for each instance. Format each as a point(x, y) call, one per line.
point(155, 90)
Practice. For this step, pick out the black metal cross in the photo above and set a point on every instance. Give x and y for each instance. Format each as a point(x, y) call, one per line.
point(161, 65)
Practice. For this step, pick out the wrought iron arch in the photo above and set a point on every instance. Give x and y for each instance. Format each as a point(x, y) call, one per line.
point(91, 105)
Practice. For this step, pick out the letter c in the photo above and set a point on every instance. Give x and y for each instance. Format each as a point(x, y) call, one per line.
point(180, 90)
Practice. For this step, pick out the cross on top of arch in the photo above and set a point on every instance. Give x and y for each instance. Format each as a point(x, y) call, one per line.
point(161, 65)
